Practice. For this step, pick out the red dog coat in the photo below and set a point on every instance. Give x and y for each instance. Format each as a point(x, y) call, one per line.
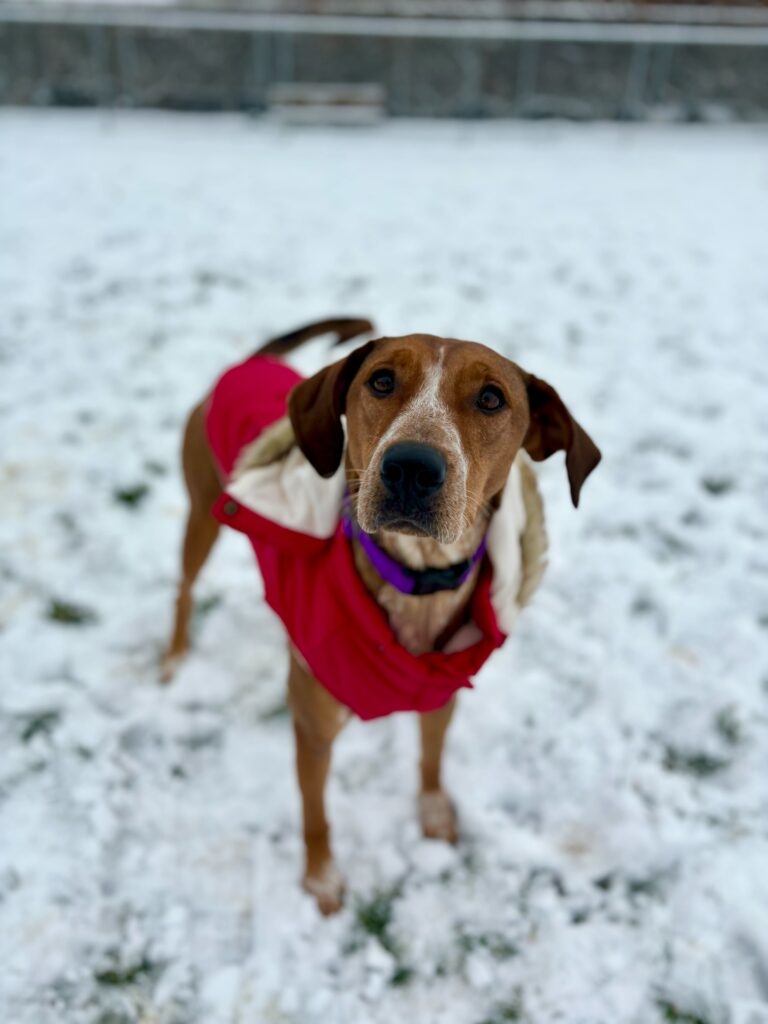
point(312, 584)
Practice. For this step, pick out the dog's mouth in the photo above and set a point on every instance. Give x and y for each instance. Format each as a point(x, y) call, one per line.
point(406, 526)
point(413, 519)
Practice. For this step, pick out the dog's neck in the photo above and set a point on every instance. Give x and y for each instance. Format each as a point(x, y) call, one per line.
point(432, 621)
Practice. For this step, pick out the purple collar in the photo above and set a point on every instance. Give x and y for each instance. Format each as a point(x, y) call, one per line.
point(416, 582)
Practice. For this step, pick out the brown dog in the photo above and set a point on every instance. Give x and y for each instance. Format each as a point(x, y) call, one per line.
point(430, 463)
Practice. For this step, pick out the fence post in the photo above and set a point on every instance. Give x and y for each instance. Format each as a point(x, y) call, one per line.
point(103, 87)
point(637, 75)
point(527, 70)
point(284, 57)
point(126, 62)
point(471, 79)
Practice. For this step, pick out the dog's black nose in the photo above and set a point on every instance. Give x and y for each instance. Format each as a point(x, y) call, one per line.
point(411, 469)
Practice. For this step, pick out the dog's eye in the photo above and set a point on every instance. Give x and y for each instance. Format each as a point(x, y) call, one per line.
point(382, 382)
point(490, 399)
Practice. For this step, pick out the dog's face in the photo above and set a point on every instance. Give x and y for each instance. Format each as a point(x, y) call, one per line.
point(433, 427)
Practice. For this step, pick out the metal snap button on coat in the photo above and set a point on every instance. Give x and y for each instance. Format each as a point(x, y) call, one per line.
point(230, 507)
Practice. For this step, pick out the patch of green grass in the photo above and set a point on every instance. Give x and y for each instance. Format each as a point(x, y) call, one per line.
point(717, 485)
point(644, 605)
point(651, 886)
point(506, 1012)
point(200, 740)
point(115, 1016)
point(121, 977)
point(131, 496)
point(728, 727)
point(605, 882)
point(155, 468)
point(497, 944)
point(207, 604)
point(469, 861)
point(692, 518)
point(41, 723)
point(68, 613)
point(277, 711)
point(693, 762)
point(673, 545)
point(401, 976)
point(203, 607)
point(541, 877)
point(374, 917)
point(672, 1014)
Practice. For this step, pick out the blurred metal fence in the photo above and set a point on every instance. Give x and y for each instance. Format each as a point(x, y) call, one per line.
point(204, 59)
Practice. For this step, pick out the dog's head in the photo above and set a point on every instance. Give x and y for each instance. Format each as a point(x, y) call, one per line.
point(433, 426)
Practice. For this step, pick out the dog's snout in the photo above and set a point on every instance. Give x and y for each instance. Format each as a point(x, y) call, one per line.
point(411, 469)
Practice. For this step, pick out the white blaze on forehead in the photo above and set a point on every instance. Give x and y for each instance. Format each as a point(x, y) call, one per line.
point(428, 397)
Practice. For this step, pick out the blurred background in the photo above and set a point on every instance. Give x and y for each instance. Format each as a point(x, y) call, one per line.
point(583, 186)
point(433, 58)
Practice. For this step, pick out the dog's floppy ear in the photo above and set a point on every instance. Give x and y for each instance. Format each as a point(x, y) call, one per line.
point(553, 429)
point(315, 407)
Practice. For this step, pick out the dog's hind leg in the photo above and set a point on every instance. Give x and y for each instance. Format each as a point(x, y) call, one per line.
point(201, 531)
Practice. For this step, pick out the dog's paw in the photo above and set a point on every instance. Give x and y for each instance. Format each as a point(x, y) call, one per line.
point(438, 817)
point(327, 886)
point(170, 665)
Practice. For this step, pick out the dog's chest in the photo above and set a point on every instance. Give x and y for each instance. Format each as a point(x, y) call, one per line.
point(420, 622)
point(426, 622)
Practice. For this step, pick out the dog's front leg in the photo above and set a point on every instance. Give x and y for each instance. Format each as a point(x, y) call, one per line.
point(317, 720)
point(438, 818)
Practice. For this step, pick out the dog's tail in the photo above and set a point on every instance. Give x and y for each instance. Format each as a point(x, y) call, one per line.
point(343, 327)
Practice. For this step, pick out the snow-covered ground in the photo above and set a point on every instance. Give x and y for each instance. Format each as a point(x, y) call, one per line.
point(611, 767)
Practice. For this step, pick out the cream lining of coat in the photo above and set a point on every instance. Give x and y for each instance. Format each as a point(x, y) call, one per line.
point(274, 479)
